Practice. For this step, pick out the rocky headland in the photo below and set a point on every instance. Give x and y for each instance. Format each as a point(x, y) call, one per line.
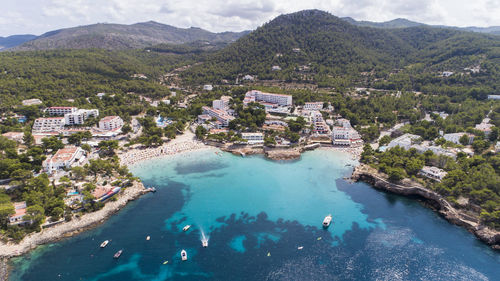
point(410, 188)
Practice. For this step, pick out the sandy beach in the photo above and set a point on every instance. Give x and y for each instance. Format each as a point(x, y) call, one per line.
point(183, 143)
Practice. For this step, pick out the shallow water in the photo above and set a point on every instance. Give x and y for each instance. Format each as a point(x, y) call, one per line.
point(256, 213)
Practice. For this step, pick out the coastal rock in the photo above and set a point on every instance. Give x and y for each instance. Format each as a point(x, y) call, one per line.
point(435, 200)
point(283, 154)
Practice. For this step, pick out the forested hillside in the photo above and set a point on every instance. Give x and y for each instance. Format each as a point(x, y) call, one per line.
point(315, 46)
point(77, 74)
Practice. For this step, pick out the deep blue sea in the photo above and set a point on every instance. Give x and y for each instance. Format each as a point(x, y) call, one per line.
point(256, 214)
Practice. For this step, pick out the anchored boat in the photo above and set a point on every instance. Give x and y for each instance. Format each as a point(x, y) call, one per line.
point(186, 228)
point(184, 255)
point(118, 254)
point(104, 244)
point(327, 221)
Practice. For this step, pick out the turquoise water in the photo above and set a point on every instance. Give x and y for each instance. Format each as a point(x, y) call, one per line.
point(255, 214)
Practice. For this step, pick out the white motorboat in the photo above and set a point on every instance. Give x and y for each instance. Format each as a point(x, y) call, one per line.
point(204, 243)
point(184, 255)
point(327, 221)
point(104, 244)
point(186, 228)
point(148, 237)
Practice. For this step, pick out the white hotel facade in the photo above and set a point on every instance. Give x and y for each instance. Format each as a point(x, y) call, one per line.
point(279, 99)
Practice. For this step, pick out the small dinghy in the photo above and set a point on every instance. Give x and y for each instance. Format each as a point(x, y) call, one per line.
point(184, 255)
point(104, 244)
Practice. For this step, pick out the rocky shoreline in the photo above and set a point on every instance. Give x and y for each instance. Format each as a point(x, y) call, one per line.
point(442, 206)
point(67, 229)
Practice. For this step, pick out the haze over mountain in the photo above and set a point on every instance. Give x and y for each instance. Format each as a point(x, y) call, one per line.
point(118, 36)
point(404, 23)
point(15, 40)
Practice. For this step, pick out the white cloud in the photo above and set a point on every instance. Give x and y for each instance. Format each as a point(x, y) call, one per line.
point(39, 16)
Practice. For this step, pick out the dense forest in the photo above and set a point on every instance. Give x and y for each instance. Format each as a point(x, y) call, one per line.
point(317, 47)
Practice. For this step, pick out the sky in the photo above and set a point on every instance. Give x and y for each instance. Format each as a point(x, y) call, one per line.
point(39, 16)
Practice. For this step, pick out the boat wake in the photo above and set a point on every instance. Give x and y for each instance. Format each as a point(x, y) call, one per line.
point(204, 238)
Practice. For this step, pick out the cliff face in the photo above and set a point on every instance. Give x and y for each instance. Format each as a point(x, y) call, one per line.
point(443, 207)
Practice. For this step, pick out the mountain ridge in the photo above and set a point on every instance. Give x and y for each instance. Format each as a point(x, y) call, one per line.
point(119, 36)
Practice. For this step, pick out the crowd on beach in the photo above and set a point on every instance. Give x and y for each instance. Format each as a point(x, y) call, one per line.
point(136, 155)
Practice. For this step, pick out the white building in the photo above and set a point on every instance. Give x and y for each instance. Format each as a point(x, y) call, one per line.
point(433, 173)
point(221, 115)
point(222, 103)
point(405, 141)
point(248, 77)
point(253, 138)
point(100, 95)
point(63, 158)
point(485, 127)
point(279, 99)
point(447, 73)
point(50, 124)
point(31, 102)
point(313, 106)
point(346, 137)
point(110, 123)
point(275, 68)
point(494, 97)
point(497, 147)
point(60, 110)
point(78, 117)
point(343, 123)
point(455, 137)
point(319, 125)
point(208, 87)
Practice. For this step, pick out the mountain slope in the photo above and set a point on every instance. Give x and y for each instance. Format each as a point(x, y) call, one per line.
point(14, 40)
point(117, 36)
point(404, 23)
point(315, 46)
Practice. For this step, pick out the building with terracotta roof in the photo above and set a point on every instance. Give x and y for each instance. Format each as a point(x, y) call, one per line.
point(64, 158)
point(15, 136)
point(18, 217)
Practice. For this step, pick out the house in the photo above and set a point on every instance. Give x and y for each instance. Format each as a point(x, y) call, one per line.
point(79, 116)
point(100, 95)
point(494, 97)
point(17, 218)
point(497, 147)
point(60, 110)
point(248, 77)
point(48, 125)
point(455, 137)
point(275, 68)
point(204, 118)
point(253, 138)
point(433, 173)
point(313, 106)
point(208, 87)
point(110, 123)
point(15, 136)
point(31, 102)
point(405, 141)
point(343, 123)
point(484, 127)
point(64, 158)
point(447, 73)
